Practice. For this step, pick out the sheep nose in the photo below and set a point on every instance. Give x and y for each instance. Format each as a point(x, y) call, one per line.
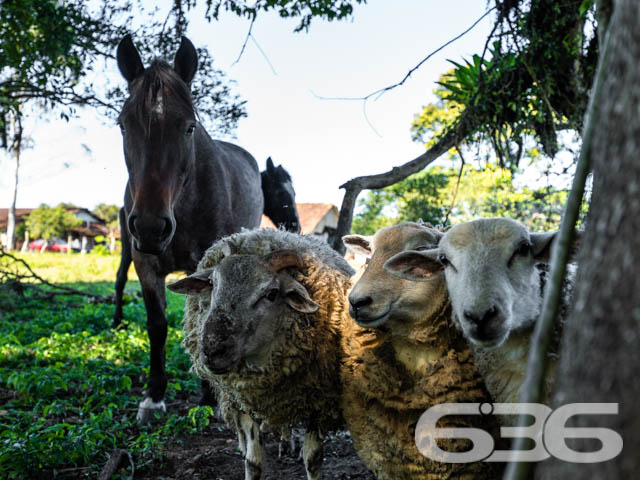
point(361, 302)
point(483, 319)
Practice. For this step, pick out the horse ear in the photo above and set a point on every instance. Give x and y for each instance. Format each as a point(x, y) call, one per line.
point(186, 62)
point(270, 166)
point(129, 62)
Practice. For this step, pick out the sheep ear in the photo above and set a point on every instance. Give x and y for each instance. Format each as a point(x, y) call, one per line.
point(297, 297)
point(358, 244)
point(129, 61)
point(186, 61)
point(543, 243)
point(418, 266)
point(198, 283)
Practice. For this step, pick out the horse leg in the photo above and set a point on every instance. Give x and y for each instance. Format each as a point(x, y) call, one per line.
point(253, 448)
point(153, 293)
point(123, 269)
point(312, 454)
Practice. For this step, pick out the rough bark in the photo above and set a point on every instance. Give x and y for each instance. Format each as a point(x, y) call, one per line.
point(600, 355)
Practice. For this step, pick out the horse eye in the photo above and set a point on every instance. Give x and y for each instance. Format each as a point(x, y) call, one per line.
point(121, 126)
point(442, 258)
point(272, 294)
point(191, 129)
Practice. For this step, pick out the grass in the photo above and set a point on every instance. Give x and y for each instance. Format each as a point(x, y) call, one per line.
point(70, 385)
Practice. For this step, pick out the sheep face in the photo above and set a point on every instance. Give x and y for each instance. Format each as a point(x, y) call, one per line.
point(250, 300)
point(491, 274)
point(381, 300)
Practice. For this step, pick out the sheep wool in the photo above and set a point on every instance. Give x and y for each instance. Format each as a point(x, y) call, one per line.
point(390, 381)
point(300, 386)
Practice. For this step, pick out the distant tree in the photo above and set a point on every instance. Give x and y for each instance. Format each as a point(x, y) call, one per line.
point(49, 222)
point(109, 213)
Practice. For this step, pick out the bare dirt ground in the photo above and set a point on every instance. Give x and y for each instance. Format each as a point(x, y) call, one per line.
point(215, 455)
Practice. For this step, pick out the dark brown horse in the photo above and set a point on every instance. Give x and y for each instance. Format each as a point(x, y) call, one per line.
point(185, 190)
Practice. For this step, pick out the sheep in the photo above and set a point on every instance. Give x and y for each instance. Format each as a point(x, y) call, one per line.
point(403, 356)
point(496, 283)
point(263, 320)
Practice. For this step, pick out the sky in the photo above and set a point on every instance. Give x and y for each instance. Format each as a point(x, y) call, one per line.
point(322, 143)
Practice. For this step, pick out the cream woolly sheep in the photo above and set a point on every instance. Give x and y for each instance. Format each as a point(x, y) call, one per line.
point(401, 358)
point(496, 284)
point(263, 323)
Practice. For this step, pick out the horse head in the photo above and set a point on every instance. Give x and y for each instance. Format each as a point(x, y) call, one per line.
point(280, 197)
point(159, 126)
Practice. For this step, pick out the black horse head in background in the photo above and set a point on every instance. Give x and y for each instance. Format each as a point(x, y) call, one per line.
point(280, 197)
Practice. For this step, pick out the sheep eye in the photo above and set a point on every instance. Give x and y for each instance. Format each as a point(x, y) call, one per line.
point(442, 258)
point(523, 250)
point(272, 295)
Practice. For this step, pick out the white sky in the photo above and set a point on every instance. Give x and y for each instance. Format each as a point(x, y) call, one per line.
point(321, 143)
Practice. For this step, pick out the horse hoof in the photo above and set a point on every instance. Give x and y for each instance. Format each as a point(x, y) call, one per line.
point(147, 408)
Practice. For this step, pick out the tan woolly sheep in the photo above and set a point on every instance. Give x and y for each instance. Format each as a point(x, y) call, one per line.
point(403, 357)
point(263, 322)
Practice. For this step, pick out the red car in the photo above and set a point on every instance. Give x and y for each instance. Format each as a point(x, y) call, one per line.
point(53, 245)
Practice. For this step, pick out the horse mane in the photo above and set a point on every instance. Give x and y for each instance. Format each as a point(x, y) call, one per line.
point(158, 83)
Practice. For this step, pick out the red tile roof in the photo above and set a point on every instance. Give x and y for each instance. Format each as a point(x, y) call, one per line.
point(310, 214)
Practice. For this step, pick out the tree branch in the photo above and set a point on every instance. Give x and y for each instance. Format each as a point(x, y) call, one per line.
point(382, 91)
point(7, 275)
point(246, 39)
point(354, 186)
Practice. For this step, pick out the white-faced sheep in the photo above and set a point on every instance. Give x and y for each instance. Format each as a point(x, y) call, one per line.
point(263, 323)
point(496, 284)
point(403, 357)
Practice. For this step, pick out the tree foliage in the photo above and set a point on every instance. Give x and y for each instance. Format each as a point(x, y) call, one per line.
point(49, 222)
point(109, 213)
point(49, 51)
point(435, 196)
point(531, 80)
point(306, 10)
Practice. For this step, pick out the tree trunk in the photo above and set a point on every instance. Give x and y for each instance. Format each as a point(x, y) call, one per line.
point(600, 355)
point(16, 133)
point(25, 245)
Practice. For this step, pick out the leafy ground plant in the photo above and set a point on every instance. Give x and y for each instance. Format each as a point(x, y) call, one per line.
point(69, 384)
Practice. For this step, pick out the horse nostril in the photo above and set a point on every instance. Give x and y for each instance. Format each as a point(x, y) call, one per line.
point(357, 303)
point(168, 227)
point(132, 224)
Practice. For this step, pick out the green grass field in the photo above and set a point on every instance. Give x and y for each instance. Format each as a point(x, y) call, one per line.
point(70, 385)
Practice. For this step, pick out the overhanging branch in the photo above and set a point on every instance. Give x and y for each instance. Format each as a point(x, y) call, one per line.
point(354, 186)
